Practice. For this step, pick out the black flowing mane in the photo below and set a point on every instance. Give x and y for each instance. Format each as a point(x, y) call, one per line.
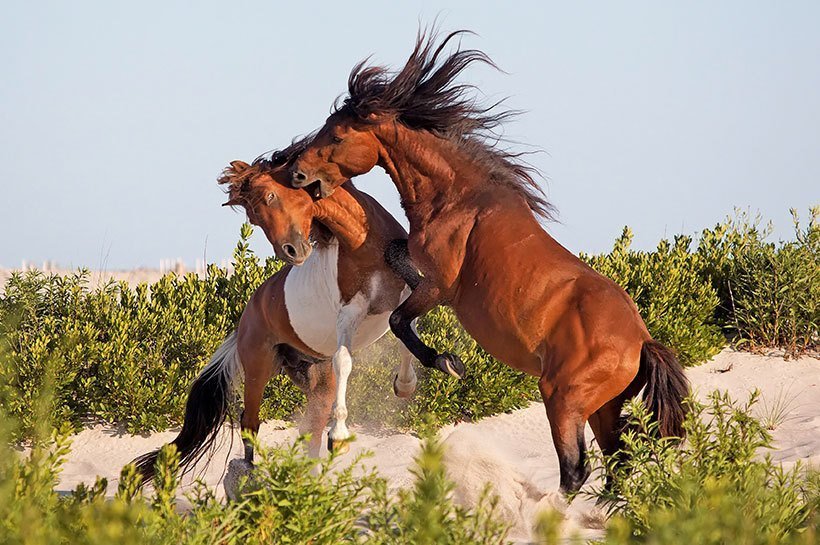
point(424, 95)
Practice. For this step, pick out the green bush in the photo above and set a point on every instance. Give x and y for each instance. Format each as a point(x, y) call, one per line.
point(426, 514)
point(715, 486)
point(288, 498)
point(676, 303)
point(713, 489)
point(770, 293)
point(125, 355)
point(488, 386)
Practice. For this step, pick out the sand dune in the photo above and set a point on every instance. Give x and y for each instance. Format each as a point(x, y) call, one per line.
point(512, 451)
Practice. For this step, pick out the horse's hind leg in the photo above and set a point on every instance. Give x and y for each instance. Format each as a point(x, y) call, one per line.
point(594, 391)
point(260, 362)
point(320, 387)
point(606, 425)
point(567, 428)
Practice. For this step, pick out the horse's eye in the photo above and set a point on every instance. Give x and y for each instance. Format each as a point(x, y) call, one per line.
point(270, 198)
point(337, 139)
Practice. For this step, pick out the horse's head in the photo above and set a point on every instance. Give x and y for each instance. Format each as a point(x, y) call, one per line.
point(284, 214)
point(344, 148)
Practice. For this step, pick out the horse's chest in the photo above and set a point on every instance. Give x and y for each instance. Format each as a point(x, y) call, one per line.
point(313, 301)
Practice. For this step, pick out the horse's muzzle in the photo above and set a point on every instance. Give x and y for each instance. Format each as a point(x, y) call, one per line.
point(299, 179)
point(296, 253)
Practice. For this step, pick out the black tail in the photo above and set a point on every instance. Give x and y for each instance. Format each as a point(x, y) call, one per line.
point(666, 388)
point(208, 405)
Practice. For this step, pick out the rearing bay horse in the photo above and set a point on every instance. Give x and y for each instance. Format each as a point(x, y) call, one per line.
point(334, 297)
point(474, 235)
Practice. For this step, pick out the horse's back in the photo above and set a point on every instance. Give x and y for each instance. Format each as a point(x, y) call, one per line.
point(545, 298)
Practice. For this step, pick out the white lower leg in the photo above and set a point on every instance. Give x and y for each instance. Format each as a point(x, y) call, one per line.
point(342, 364)
point(347, 323)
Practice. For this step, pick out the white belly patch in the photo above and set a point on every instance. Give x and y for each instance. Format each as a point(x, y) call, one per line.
point(313, 301)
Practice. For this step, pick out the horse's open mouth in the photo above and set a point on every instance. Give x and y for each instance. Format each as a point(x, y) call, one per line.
point(315, 190)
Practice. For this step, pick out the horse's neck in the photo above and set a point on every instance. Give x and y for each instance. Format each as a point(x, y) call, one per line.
point(344, 216)
point(421, 166)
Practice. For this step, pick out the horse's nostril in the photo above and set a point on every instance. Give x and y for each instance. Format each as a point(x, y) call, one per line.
point(289, 249)
point(299, 176)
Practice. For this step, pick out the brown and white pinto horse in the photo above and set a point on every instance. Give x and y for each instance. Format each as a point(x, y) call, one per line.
point(334, 297)
point(475, 237)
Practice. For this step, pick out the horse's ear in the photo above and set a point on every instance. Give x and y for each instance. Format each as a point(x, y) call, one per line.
point(239, 166)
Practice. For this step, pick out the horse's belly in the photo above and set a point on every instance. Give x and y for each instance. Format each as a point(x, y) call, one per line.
point(495, 336)
point(501, 308)
point(316, 327)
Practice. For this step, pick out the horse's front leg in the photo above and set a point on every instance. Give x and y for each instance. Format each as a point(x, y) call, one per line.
point(348, 321)
point(424, 298)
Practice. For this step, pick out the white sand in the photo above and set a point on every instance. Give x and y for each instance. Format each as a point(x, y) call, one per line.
point(512, 451)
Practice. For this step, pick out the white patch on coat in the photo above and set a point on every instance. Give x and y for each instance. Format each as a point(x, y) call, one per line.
point(313, 301)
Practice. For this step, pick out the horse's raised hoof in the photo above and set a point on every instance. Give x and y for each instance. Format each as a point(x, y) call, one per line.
point(338, 446)
point(450, 364)
point(404, 390)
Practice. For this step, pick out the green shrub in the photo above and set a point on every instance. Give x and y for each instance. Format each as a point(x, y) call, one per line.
point(770, 293)
point(715, 486)
point(288, 498)
point(488, 386)
point(676, 303)
point(713, 489)
point(125, 355)
point(370, 396)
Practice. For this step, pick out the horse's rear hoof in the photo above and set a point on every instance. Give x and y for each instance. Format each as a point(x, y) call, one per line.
point(338, 446)
point(238, 470)
point(450, 364)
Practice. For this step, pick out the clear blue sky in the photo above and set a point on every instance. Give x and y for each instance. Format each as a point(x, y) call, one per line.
point(116, 118)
